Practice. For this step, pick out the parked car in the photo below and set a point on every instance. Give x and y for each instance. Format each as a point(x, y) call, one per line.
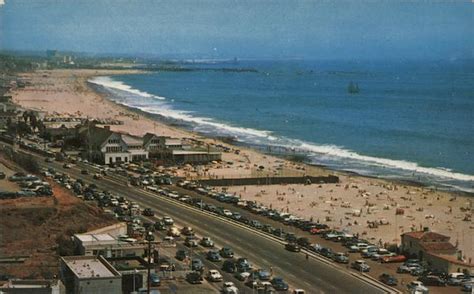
point(229, 266)
point(168, 220)
point(360, 265)
point(174, 232)
point(214, 276)
point(187, 231)
point(190, 241)
point(194, 277)
point(226, 252)
point(432, 281)
point(148, 212)
point(197, 265)
point(417, 287)
point(155, 279)
point(213, 255)
point(263, 274)
point(229, 288)
point(388, 279)
point(341, 257)
point(181, 255)
point(206, 242)
point(279, 284)
point(455, 279)
point(293, 247)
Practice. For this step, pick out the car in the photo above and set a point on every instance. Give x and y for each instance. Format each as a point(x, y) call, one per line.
point(293, 247)
point(227, 212)
point(48, 159)
point(174, 232)
point(303, 242)
point(279, 284)
point(84, 172)
point(243, 265)
point(190, 241)
point(417, 287)
point(155, 279)
point(455, 279)
point(396, 258)
point(168, 220)
point(360, 265)
point(229, 288)
point(197, 265)
point(148, 212)
point(341, 257)
point(467, 286)
point(229, 266)
point(213, 255)
point(181, 255)
point(194, 277)
point(407, 268)
point(326, 252)
point(226, 252)
point(214, 276)
point(67, 165)
point(388, 279)
point(242, 276)
point(159, 226)
point(263, 274)
point(206, 242)
point(432, 281)
point(187, 231)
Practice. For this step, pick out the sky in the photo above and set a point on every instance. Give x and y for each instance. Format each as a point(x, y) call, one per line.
point(313, 29)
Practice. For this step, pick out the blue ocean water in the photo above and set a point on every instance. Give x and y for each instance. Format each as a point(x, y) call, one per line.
point(410, 120)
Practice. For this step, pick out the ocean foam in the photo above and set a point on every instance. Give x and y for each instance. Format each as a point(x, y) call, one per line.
point(262, 137)
point(113, 84)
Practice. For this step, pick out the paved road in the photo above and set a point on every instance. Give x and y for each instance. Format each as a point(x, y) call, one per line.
point(312, 275)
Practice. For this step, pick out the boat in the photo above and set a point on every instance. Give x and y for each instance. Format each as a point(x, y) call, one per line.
point(353, 88)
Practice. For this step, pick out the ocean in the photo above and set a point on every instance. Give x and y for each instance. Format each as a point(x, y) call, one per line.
point(411, 120)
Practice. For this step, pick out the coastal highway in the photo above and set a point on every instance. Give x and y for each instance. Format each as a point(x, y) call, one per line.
point(312, 275)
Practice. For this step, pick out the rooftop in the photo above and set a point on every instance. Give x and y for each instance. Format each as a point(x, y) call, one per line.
point(94, 237)
point(437, 246)
point(427, 236)
point(87, 267)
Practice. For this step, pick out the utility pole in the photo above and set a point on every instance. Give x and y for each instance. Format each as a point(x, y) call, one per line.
point(149, 237)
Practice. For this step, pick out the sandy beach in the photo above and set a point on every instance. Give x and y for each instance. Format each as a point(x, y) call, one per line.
point(352, 204)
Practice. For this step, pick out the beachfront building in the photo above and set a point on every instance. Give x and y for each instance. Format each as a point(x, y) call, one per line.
point(418, 244)
point(89, 274)
point(106, 245)
point(436, 251)
point(107, 147)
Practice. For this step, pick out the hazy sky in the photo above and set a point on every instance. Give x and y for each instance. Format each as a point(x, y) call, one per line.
point(220, 28)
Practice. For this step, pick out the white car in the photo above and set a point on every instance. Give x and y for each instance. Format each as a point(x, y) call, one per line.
point(227, 212)
point(168, 220)
point(230, 288)
point(417, 287)
point(214, 276)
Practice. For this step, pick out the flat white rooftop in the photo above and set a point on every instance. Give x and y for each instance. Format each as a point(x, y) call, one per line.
point(94, 237)
point(86, 268)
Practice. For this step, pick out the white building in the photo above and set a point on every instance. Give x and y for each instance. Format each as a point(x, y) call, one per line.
point(89, 274)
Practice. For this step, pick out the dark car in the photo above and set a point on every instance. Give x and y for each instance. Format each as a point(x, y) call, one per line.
point(84, 172)
point(293, 247)
point(181, 255)
point(160, 226)
point(194, 277)
point(187, 231)
point(432, 281)
point(155, 279)
point(2, 175)
point(197, 265)
point(148, 212)
point(303, 242)
point(229, 266)
point(279, 284)
point(326, 252)
point(213, 255)
point(388, 279)
point(227, 252)
point(263, 275)
point(243, 265)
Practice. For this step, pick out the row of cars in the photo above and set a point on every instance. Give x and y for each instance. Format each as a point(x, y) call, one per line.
point(240, 267)
point(31, 186)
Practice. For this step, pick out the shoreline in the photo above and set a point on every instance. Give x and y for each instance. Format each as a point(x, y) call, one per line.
point(328, 201)
point(282, 155)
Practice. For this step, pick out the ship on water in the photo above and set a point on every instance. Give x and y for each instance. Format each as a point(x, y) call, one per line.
point(353, 88)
